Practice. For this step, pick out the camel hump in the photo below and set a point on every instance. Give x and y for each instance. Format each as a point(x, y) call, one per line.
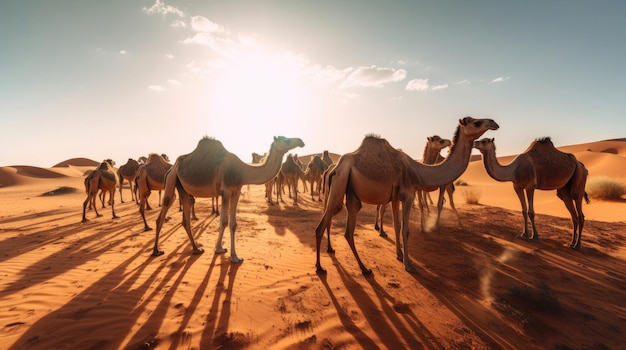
point(378, 159)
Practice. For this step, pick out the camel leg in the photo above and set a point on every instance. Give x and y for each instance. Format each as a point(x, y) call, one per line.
point(353, 204)
point(234, 201)
point(121, 185)
point(112, 199)
point(378, 225)
point(187, 202)
point(450, 190)
point(520, 195)
point(442, 192)
point(88, 200)
point(219, 249)
point(395, 216)
point(530, 193)
point(407, 201)
point(142, 209)
point(423, 206)
point(332, 205)
point(575, 213)
point(167, 203)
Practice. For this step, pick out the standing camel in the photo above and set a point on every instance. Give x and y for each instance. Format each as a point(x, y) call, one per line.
point(128, 172)
point(292, 172)
point(314, 172)
point(151, 177)
point(541, 167)
point(211, 170)
point(104, 179)
point(377, 173)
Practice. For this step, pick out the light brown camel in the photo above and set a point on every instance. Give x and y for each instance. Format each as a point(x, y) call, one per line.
point(314, 172)
point(151, 177)
point(103, 178)
point(210, 170)
point(292, 173)
point(541, 167)
point(377, 173)
point(128, 172)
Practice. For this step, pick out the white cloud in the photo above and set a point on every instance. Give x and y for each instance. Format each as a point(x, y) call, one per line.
point(462, 82)
point(174, 82)
point(157, 88)
point(159, 7)
point(373, 77)
point(417, 85)
point(439, 87)
point(169, 55)
point(204, 25)
point(123, 52)
point(179, 24)
point(500, 79)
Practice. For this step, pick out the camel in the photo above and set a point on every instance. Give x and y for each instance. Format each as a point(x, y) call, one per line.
point(211, 170)
point(292, 173)
point(103, 178)
point(541, 167)
point(314, 172)
point(377, 173)
point(128, 172)
point(151, 177)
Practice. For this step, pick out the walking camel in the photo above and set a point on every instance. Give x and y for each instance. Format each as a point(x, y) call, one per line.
point(151, 177)
point(377, 173)
point(541, 167)
point(103, 178)
point(128, 172)
point(211, 170)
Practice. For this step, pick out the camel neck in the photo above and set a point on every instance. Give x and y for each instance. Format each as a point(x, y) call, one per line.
point(450, 169)
point(258, 174)
point(497, 171)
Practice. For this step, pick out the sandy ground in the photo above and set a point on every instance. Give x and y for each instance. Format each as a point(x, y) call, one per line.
point(66, 284)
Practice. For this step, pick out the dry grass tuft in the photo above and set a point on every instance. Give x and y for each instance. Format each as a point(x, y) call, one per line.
point(604, 187)
point(472, 195)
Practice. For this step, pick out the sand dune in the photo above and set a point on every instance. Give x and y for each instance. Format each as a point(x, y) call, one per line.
point(65, 284)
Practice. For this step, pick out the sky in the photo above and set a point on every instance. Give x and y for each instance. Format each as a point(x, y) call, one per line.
point(121, 79)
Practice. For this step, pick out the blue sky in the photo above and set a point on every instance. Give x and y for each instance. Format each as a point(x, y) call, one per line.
point(124, 78)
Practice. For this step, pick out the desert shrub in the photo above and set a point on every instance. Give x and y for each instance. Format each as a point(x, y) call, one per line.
point(604, 187)
point(472, 195)
point(460, 182)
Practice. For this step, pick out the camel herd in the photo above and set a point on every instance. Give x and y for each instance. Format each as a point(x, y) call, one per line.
point(375, 173)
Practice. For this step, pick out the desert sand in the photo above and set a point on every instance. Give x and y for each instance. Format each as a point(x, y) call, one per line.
point(71, 285)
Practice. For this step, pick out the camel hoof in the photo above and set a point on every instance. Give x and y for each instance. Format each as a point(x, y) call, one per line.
point(330, 251)
point(198, 251)
point(157, 252)
point(147, 228)
point(236, 260)
point(320, 271)
point(220, 251)
point(522, 236)
point(410, 269)
point(383, 234)
point(85, 220)
point(400, 258)
point(98, 215)
point(366, 272)
point(116, 217)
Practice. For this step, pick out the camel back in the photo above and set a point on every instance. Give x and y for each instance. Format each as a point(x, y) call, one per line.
point(548, 158)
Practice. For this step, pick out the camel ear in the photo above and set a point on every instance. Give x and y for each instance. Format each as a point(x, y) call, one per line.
point(465, 120)
point(493, 139)
point(429, 138)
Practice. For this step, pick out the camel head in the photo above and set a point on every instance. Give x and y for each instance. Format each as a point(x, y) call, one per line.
point(475, 128)
point(285, 144)
point(485, 145)
point(437, 143)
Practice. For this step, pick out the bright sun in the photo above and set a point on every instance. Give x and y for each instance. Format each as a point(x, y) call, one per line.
point(260, 93)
